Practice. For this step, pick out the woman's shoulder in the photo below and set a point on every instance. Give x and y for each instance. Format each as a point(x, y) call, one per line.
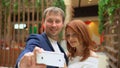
point(91, 62)
point(93, 54)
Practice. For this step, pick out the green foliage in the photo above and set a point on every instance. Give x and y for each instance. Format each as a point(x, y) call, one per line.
point(15, 6)
point(60, 4)
point(38, 3)
point(26, 2)
point(107, 7)
point(44, 3)
point(6, 3)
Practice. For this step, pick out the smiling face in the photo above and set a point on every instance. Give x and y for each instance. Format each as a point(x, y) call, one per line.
point(78, 40)
point(53, 24)
point(72, 37)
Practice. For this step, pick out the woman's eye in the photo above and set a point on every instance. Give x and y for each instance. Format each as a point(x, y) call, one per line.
point(74, 35)
point(71, 35)
point(67, 35)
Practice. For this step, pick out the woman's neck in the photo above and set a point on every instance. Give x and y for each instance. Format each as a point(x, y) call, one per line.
point(79, 52)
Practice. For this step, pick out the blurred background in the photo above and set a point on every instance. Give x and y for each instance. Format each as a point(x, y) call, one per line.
point(20, 18)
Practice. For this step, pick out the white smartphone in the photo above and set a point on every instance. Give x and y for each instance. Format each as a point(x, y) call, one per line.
point(51, 58)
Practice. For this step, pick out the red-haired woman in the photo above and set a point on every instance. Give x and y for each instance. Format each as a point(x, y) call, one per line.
point(80, 46)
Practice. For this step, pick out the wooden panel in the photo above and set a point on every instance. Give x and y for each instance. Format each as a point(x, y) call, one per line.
point(12, 41)
point(112, 41)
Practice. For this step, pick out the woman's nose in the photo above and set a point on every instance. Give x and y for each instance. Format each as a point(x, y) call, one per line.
point(70, 37)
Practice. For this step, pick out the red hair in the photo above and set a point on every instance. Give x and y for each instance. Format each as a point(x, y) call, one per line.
point(81, 29)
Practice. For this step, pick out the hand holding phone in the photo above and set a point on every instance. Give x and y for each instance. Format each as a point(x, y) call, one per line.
point(51, 58)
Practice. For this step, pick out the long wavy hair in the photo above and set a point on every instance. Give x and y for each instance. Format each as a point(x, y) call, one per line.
point(81, 29)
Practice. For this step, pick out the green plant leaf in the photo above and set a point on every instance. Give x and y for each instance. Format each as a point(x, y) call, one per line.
point(106, 7)
point(15, 5)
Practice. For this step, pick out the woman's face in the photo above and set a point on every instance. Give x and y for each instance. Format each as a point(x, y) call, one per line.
point(72, 37)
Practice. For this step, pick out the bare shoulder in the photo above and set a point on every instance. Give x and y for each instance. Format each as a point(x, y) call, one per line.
point(93, 54)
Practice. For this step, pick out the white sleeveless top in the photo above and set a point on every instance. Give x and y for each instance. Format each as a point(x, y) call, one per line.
point(90, 62)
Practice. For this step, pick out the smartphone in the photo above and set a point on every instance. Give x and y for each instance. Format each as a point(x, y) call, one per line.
point(51, 58)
